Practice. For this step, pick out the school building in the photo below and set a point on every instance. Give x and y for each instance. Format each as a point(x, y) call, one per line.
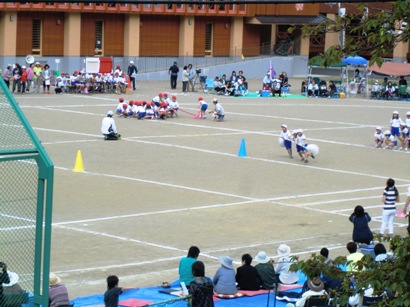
point(154, 35)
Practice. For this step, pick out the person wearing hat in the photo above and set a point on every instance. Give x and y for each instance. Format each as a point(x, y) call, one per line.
point(267, 81)
point(375, 90)
point(203, 106)
point(57, 292)
point(37, 78)
point(132, 73)
point(378, 137)
point(4, 279)
point(218, 111)
point(108, 128)
point(7, 75)
point(59, 87)
point(282, 268)
point(390, 140)
point(266, 271)
point(247, 276)
point(224, 279)
point(173, 72)
point(315, 287)
point(286, 135)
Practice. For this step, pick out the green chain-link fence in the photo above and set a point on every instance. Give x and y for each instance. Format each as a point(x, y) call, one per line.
point(26, 190)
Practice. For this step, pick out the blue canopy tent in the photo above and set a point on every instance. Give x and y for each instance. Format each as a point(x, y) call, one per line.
point(355, 61)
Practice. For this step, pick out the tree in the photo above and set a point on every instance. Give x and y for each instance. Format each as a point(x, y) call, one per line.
point(380, 31)
point(392, 275)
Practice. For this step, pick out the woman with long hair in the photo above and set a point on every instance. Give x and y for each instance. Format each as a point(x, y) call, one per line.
point(390, 197)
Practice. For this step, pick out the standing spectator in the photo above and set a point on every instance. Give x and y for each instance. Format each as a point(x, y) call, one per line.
point(46, 73)
point(406, 208)
point(7, 75)
point(390, 197)
point(247, 276)
point(185, 79)
point(132, 73)
point(185, 265)
point(265, 270)
point(30, 76)
point(108, 128)
point(38, 78)
point(4, 279)
point(361, 230)
point(201, 289)
point(111, 296)
point(224, 279)
point(57, 293)
point(23, 79)
point(173, 71)
point(192, 75)
point(282, 268)
point(17, 78)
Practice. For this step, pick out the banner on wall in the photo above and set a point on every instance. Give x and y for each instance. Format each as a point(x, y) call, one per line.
point(98, 65)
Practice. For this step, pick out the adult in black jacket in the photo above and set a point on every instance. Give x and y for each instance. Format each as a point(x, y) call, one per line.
point(132, 72)
point(361, 229)
point(247, 276)
point(173, 71)
point(4, 279)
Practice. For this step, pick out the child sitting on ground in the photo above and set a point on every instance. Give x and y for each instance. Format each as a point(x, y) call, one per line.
point(375, 90)
point(111, 296)
point(378, 138)
point(119, 107)
point(174, 105)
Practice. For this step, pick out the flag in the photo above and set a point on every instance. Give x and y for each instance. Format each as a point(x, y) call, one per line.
point(243, 58)
point(271, 70)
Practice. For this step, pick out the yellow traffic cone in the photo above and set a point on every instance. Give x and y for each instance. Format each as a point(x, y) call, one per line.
point(79, 167)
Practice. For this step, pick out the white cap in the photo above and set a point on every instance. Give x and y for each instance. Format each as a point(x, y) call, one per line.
point(284, 126)
point(396, 112)
point(378, 128)
point(295, 131)
point(23, 67)
point(131, 62)
point(110, 113)
point(387, 132)
point(408, 113)
point(300, 130)
point(215, 100)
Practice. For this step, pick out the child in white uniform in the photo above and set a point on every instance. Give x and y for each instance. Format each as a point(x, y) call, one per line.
point(378, 138)
point(287, 138)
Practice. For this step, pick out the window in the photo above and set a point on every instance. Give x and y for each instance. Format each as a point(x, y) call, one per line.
point(98, 37)
point(36, 37)
point(208, 39)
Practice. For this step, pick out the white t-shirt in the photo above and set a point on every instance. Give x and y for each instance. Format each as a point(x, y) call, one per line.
point(286, 135)
point(378, 135)
point(219, 109)
point(108, 125)
point(395, 122)
point(300, 140)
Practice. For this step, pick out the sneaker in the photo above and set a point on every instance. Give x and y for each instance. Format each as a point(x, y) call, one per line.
point(303, 159)
point(400, 148)
point(306, 161)
point(406, 148)
point(312, 156)
point(386, 147)
point(290, 156)
point(204, 116)
point(394, 148)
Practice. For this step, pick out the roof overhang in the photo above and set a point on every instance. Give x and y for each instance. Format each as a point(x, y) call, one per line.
point(287, 20)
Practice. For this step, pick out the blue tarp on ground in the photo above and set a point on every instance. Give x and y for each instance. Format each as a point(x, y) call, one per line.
point(153, 294)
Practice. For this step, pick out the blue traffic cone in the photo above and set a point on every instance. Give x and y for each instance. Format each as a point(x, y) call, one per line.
point(242, 149)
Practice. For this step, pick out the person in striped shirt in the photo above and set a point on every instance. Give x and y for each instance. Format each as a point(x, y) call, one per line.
point(390, 197)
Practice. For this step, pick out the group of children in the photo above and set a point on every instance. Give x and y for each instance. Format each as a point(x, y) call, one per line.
point(297, 136)
point(399, 132)
point(160, 107)
point(218, 112)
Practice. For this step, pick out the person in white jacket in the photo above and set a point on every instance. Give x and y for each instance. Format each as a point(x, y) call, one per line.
point(108, 128)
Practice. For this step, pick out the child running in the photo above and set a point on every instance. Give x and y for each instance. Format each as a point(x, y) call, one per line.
point(203, 106)
point(378, 138)
point(301, 146)
point(287, 139)
point(113, 292)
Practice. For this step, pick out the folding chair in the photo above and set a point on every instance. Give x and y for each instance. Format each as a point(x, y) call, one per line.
point(209, 86)
point(316, 301)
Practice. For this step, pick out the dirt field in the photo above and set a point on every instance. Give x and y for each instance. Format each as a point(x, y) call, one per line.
point(169, 184)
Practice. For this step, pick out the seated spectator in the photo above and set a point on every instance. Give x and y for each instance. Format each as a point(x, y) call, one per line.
point(325, 253)
point(313, 89)
point(12, 289)
point(224, 279)
point(266, 271)
point(353, 257)
point(243, 79)
point(218, 86)
point(233, 79)
point(323, 89)
point(375, 90)
point(315, 287)
point(185, 265)
point(267, 81)
point(381, 253)
point(4, 279)
point(201, 288)
point(282, 268)
point(276, 88)
point(332, 89)
point(57, 293)
point(247, 276)
point(60, 86)
point(361, 229)
point(389, 91)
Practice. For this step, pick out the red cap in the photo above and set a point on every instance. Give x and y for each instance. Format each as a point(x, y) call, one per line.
point(121, 99)
point(138, 103)
point(165, 94)
point(200, 98)
point(174, 97)
point(163, 104)
point(131, 102)
point(124, 105)
point(118, 67)
point(160, 95)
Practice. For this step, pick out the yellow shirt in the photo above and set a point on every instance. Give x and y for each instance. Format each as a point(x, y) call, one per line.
point(355, 257)
point(37, 72)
